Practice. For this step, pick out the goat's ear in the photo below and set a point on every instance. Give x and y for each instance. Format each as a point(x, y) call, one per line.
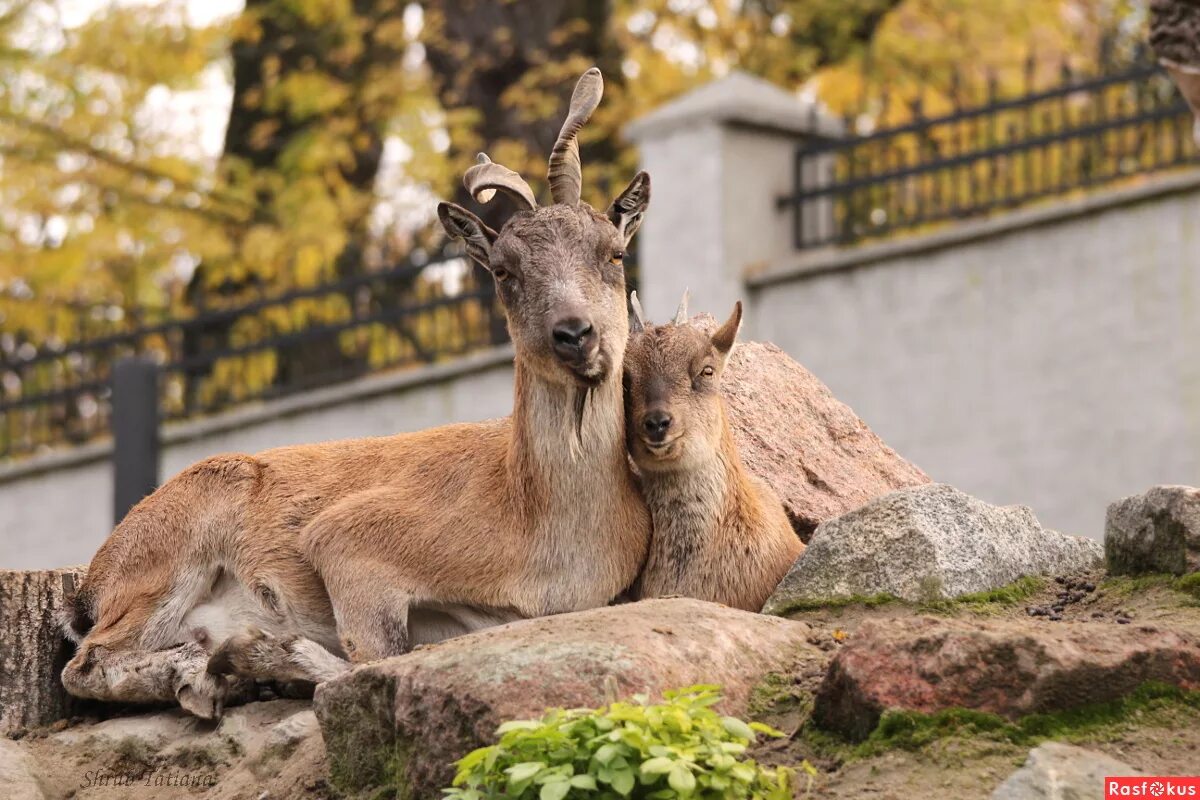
point(627, 210)
point(724, 337)
point(462, 224)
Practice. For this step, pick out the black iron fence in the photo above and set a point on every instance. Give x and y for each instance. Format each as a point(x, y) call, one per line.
point(273, 346)
point(1004, 153)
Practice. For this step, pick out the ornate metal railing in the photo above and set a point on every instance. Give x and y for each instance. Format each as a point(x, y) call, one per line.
point(269, 347)
point(995, 156)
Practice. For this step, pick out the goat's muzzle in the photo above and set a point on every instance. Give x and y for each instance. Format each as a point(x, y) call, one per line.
point(577, 346)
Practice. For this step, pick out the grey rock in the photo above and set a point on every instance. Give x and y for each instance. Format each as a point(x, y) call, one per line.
point(249, 729)
point(928, 542)
point(1056, 771)
point(1158, 531)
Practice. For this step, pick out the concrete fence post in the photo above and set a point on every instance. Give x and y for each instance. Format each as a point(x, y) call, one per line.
point(719, 159)
point(135, 432)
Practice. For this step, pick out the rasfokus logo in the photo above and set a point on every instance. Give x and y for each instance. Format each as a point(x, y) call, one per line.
point(1152, 786)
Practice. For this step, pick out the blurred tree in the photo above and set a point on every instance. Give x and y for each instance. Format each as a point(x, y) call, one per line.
point(100, 207)
point(939, 52)
point(503, 69)
point(113, 190)
point(315, 85)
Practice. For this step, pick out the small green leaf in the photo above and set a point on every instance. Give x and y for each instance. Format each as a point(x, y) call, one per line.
point(657, 766)
point(554, 790)
point(583, 782)
point(766, 729)
point(622, 781)
point(525, 771)
point(518, 725)
point(682, 780)
point(737, 728)
point(607, 753)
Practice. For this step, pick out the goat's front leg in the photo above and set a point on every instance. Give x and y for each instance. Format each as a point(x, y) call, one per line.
point(263, 656)
point(140, 676)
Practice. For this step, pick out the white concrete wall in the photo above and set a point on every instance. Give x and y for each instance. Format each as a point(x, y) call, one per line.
point(57, 509)
point(719, 157)
point(1050, 358)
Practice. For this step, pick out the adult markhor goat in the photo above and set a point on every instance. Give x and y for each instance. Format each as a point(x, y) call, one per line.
point(285, 564)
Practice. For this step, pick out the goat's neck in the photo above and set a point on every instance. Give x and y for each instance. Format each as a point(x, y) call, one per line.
point(575, 495)
point(700, 500)
point(550, 456)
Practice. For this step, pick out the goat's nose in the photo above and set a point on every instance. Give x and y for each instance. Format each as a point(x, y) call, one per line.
point(656, 424)
point(572, 336)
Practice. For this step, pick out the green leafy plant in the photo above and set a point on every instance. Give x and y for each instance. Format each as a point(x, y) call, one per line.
point(680, 748)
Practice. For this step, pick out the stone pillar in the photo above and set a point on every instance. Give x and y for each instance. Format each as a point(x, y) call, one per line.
point(33, 650)
point(719, 159)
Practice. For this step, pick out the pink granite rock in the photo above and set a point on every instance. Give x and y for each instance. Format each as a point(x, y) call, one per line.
point(1010, 668)
point(406, 720)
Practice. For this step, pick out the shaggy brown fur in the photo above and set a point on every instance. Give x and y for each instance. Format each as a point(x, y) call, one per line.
point(720, 534)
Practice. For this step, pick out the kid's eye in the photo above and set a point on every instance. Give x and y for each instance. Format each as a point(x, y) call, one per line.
point(707, 372)
point(617, 258)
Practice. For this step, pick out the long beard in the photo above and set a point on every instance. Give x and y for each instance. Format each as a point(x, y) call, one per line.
point(582, 395)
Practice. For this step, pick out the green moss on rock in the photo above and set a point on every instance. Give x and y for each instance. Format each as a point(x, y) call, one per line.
point(867, 601)
point(1152, 704)
point(1011, 594)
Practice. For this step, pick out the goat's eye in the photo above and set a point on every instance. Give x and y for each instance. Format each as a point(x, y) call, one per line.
point(617, 258)
point(707, 372)
point(500, 273)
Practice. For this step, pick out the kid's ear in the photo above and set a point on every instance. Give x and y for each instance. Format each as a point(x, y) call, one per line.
point(462, 224)
point(724, 337)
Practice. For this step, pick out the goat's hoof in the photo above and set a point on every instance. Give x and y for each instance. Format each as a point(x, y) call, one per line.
point(253, 654)
point(237, 654)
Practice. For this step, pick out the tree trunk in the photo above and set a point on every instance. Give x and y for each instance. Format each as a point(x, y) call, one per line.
point(262, 133)
point(1175, 37)
point(479, 52)
point(33, 650)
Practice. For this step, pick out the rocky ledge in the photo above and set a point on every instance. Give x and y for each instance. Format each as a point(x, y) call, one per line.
point(925, 638)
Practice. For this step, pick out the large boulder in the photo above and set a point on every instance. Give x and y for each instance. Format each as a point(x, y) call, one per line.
point(1057, 771)
point(1011, 668)
point(1158, 531)
point(811, 448)
point(33, 650)
point(405, 720)
point(928, 542)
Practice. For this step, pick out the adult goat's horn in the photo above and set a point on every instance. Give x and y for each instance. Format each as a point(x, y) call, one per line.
point(681, 315)
point(565, 173)
point(483, 179)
